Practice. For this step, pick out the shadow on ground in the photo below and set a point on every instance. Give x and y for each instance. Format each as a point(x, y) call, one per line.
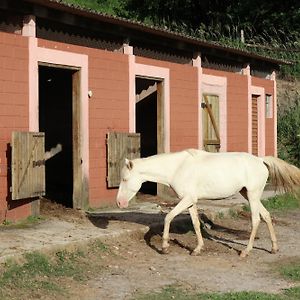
point(181, 225)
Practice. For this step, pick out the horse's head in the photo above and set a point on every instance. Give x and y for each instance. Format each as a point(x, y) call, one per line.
point(131, 182)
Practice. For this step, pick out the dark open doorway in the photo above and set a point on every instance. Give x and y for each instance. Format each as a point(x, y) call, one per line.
point(55, 119)
point(148, 121)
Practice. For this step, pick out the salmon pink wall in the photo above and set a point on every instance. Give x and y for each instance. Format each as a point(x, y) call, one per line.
point(270, 138)
point(183, 103)
point(13, 115)
point(237, 109)
point(184, 108)
point(108, 78)
point(270, 129)
point(109, 107)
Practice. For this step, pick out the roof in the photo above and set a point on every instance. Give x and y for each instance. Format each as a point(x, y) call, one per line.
point(128, 27)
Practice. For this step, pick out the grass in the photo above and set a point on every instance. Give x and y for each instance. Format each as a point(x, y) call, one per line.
point(39, 273)
point(279, 203)
point(291, 271)
point(220, 215)
point(179, 294)
point(31, 220)
point(233, 213)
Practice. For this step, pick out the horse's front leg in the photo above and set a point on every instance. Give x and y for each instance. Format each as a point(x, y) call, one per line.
point(179, 208)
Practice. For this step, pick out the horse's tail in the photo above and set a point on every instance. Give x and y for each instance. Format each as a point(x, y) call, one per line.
point(283, 175)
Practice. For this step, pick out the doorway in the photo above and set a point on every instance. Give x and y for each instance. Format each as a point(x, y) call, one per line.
point(56, 109)
point(149, 121)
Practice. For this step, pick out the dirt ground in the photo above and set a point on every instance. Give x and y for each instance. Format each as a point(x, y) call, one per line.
point(135, 264)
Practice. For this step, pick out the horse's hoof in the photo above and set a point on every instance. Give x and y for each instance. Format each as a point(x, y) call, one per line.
point(274, 250)
point(165, 250)
point(244, 254)
point(195, 253)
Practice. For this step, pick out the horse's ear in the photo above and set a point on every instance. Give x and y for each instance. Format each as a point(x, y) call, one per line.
point(128, 164)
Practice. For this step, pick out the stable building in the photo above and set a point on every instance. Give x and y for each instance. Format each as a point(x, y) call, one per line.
point(80, 91)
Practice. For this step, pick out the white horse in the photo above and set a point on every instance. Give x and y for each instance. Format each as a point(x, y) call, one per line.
point(195, 174)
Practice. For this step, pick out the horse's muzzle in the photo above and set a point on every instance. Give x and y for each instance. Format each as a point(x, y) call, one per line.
point(122, 203)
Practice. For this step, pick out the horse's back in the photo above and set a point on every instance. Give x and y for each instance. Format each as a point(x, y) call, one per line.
point(228, 162)
point(224, 158)
point(221, 174)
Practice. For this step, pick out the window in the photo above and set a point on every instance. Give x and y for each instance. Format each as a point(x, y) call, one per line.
point(269, 106)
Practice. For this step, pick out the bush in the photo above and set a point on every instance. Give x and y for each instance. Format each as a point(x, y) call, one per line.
point(289, 133)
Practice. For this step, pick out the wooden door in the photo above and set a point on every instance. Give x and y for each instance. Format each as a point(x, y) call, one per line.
point(211, 123)
point(254, 125)
point(120, 145)
point(28, 165)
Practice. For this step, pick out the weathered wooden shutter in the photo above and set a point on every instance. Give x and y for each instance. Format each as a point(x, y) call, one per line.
point(211, 133)
point(254, 126)
point(120, 145)
point(28, 164)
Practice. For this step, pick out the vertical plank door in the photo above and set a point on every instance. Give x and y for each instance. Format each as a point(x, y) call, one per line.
point(28, 164)
point(254, 126)
point(210, 123)
point(120, 145)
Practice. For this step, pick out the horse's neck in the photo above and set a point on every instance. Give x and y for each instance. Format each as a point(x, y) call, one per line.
point(160, 168)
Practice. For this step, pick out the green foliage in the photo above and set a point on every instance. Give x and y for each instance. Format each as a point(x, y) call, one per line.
point(291, 271)
point(179, 294)
point(33, 274)
point(40, 273)
point(278, 203)
point(221, 215)
point(246, 208)
point(31, 220)
point(37, 264)
point(293, 293)
point(271, 28)
point(281, 202)
point(110, 7)
point(99, 246)
point(233, 213)
point(225, 17)
point(6, 222)
point(289, 133)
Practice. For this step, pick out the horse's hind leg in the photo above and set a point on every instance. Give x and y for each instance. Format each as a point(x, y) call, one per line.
point(267, 218)
point(254, 201)
point(195, 219)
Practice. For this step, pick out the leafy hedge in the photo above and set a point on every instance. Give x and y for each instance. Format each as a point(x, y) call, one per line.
point(271, 28)
point(289, 132)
